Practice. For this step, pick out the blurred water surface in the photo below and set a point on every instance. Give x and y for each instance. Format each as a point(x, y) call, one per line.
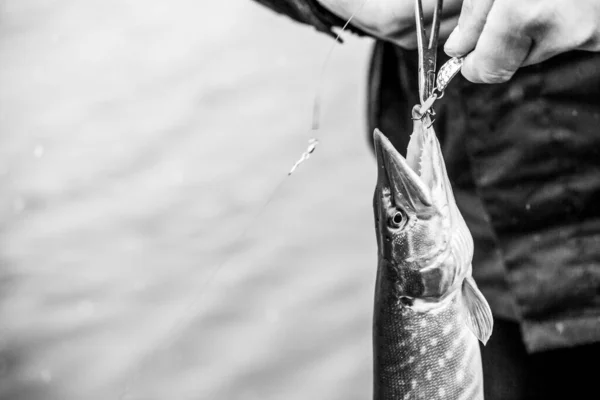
point(138, 139)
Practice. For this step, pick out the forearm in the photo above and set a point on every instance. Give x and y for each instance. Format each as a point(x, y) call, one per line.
point(309, 12)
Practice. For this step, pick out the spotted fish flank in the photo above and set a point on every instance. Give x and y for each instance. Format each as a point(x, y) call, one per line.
point(428, 312)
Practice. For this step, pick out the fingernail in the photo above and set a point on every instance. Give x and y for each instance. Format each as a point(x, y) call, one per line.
point(452, 43)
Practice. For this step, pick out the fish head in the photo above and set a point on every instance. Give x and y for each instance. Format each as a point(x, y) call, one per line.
point(420, 231)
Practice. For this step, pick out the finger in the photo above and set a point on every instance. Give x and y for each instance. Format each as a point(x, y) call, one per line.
point(501, 49)
point(470, 25)
point(543, 51)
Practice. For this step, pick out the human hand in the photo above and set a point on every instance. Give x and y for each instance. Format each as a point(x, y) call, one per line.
point(505, 35)
point(393, 20)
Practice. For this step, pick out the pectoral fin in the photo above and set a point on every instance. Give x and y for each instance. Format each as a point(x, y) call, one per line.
point(478, 313)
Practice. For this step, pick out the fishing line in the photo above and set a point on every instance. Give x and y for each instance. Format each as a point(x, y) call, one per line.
point(189, 312)
point(316, 115)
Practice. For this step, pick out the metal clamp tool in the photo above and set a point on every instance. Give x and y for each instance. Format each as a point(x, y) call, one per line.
point(431, 89)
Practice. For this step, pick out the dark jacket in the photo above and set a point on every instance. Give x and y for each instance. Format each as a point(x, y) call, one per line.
point(524, 160)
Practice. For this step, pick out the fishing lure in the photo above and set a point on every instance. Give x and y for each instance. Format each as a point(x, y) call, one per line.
point(312, 145)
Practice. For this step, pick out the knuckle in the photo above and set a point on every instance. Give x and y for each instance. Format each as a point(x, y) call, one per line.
point(532, 19)
point(494, 76)
point(487, 74)
point(585, 36)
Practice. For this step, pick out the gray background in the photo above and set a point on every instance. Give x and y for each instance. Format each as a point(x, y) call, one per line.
point(138, 139)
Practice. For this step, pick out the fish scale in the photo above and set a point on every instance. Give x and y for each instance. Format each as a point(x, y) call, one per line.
point(424, 355)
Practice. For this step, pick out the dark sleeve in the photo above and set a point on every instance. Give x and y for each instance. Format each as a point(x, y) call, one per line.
point(310, 12)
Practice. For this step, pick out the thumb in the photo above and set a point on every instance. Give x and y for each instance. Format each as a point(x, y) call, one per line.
point(470, 24)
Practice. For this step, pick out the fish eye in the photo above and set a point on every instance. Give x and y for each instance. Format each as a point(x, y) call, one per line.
point(397, 219)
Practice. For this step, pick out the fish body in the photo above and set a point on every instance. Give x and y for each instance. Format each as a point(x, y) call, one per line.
point(429, 313)
point(425, 355)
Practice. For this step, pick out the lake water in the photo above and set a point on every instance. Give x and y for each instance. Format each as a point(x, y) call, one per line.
point(140, 143)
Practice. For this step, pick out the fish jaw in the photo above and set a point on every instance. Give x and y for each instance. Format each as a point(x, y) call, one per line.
point(399, 178)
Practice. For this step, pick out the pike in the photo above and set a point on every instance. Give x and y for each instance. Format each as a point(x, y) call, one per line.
point(429, 313)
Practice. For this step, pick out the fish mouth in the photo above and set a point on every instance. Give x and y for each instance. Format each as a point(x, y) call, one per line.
point(409, 179)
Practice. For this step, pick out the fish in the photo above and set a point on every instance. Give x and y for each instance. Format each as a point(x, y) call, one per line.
point(429, 313)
